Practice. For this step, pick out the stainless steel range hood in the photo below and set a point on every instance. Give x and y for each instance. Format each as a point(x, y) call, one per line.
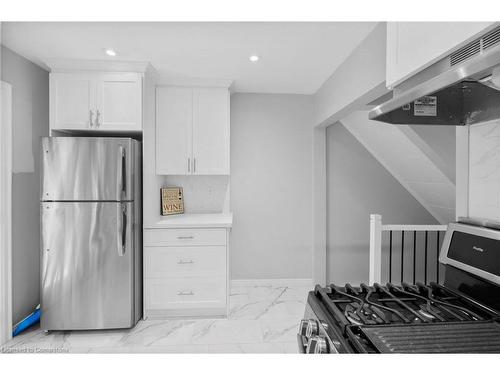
point(463, 89)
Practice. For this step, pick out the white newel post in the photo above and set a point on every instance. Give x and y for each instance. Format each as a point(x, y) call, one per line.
point(375, 249)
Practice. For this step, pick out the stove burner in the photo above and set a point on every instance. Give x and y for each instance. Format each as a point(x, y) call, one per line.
point(428, 315)
point(391, 304)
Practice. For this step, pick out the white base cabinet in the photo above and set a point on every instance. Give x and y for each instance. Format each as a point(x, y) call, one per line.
point(185, 272)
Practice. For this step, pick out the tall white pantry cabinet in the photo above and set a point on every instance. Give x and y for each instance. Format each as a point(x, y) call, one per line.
point(186, 257)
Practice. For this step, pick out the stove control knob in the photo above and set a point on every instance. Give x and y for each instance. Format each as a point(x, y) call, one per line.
point(317, 345)
point(312, 328)
point(303, 327)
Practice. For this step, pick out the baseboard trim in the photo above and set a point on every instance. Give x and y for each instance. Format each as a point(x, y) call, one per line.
point(272, 282)
point(214, 312)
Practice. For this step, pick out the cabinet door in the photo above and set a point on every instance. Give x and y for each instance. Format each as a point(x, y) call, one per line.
point(174, 114)
point(119, 102)
point(72, 101)
point(211, 131)
point(413, 46)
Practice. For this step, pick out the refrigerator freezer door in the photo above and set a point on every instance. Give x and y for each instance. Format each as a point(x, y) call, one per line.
point(88, 169)
point(87, 265)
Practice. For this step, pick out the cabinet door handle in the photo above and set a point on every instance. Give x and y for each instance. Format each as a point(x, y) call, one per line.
point(185, 237)
point(97, 119)
point(188, 293)
point(91, 123)
point(185, 261)
point(189, 165)
point(194, 165)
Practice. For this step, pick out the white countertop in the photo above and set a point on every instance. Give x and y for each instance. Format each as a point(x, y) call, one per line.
point(222, 220)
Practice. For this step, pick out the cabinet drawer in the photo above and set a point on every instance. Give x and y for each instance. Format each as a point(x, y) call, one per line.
point(185, 237)
point(171, 262)
point(180, 293)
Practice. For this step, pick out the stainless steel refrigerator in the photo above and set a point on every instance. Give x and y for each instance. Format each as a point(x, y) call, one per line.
point(90, 233)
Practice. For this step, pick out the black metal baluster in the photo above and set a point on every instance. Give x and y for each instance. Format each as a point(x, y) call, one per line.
point(402, 253)
point(390, 256)
point(414, 255)
point(437, 257)
point(425, 258)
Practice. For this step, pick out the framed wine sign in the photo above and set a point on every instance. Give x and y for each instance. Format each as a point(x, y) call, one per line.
point(172, 201)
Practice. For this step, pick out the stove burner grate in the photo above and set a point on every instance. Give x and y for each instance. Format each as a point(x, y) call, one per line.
point(392, 304)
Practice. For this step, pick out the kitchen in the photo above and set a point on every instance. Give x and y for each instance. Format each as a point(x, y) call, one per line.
point(205, 197)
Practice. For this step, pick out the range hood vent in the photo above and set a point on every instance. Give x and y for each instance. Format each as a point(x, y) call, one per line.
point(491, 39)
point(466, 52)
point(476, 47)
point(464, 90)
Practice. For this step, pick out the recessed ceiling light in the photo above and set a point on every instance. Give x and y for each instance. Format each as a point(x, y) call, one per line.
point(253, 58)
point(110, 52)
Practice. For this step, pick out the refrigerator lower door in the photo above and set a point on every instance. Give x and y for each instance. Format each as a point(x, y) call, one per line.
point(88, 169)
point(87, 265)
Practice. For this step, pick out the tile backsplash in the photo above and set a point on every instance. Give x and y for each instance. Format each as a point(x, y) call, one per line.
point(484, 171)
point(202, 194)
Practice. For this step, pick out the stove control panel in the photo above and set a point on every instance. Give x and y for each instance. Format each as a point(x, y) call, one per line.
point(316, 333)
point(312, 339)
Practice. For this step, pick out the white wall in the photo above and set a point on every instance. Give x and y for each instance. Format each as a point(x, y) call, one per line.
point(271, 186)
point(441, 140)
point(319, 205)
point(357, 186)
point(358, 81)
point(399, 149)
point(30, 121)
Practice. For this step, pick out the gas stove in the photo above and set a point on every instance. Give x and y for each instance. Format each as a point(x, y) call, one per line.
point(462, 315)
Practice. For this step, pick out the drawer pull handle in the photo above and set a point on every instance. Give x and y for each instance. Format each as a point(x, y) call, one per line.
point(185, 261)
point(185, 237)
point(190, 293)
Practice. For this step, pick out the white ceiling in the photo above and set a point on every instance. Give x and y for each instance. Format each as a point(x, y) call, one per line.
point(296, 57)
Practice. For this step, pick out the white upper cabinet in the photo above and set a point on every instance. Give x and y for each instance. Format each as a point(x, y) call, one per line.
point(413, 46)
point(72, 101)
point(174, 114)
point(94, 101)
point(119, 102)
point(211, 131)
point(192, 131)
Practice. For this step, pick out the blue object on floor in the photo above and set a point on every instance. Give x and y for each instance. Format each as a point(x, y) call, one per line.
point(27, 322)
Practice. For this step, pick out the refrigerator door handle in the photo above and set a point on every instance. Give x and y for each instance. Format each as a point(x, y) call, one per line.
point(121, 175)
point(122, 229)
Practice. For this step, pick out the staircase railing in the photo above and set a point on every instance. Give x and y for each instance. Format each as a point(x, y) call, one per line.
point(404, 252)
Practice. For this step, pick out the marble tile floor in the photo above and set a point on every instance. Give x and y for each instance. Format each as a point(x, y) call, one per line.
point(263, 319)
